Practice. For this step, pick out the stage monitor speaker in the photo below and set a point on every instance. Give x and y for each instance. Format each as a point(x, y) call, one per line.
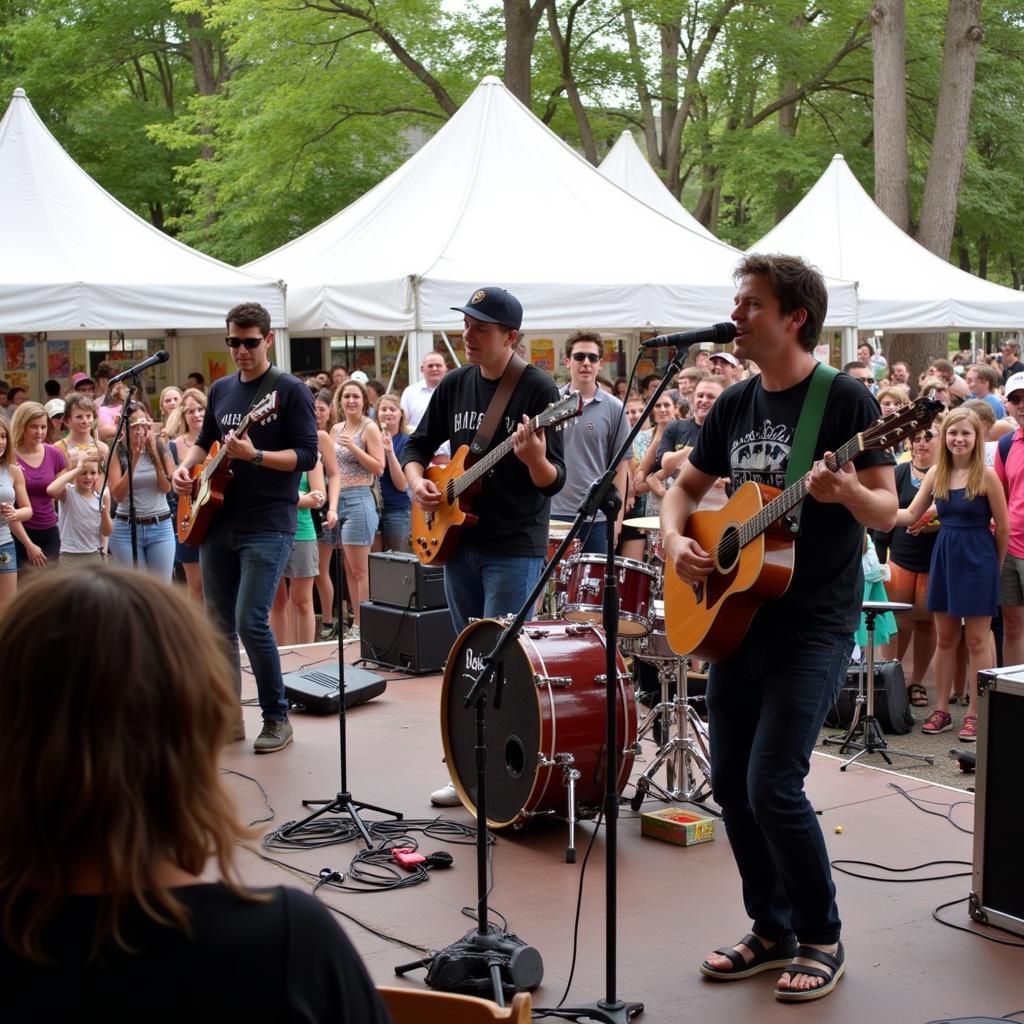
point(401, 580)
point(316, 690)
point(415, 642)
point(997, 897)
point(892, 707)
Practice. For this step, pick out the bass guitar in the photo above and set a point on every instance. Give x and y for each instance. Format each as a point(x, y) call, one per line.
point(211, 477)
point(753, 551)
point(434, 533)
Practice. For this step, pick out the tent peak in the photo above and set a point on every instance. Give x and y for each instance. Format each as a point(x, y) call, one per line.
point(490, 80)
point(838, 158)
point(19, 94)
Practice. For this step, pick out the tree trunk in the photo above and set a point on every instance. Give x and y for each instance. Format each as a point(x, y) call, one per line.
point(563, 47)
point(521, 21)
point(888, 34)
point(643, 93)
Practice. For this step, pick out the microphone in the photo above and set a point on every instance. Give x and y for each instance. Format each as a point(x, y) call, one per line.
point(159, 357)
point(716, 333)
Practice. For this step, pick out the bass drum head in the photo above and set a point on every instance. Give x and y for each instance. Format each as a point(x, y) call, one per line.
point(513, 731)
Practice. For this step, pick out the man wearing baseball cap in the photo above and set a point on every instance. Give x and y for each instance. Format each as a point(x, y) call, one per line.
point(496, 562)
point(726, 367)
point(84, 383)
point(1009, 467)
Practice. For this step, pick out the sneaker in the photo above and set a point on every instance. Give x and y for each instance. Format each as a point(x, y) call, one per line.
point(938, 721)
point(969, 733)
point(328, 631)
point(276, 735)
point(351, 634)
point(445, 796)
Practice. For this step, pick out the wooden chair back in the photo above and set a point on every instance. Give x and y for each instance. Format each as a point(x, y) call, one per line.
point(425, 1006)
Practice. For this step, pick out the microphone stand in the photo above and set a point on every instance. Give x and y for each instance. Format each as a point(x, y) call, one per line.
point(120, 430)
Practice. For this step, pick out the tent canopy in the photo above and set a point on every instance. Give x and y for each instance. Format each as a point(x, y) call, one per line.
point(76, 259)
point(901, 285)
point(495, 197)
point(628, 168)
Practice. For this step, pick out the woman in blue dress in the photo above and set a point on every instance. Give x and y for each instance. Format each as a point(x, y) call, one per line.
point(963, 583)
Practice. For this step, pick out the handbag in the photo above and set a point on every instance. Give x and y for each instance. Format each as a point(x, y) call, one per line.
point(378, 497)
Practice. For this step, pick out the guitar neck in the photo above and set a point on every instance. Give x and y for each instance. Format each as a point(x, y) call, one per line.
point(493, 457)
point(794, 494)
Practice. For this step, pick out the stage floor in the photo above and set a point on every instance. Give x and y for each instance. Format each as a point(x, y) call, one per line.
point(674, 904)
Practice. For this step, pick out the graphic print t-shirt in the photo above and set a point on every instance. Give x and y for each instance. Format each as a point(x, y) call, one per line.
point(747, 436)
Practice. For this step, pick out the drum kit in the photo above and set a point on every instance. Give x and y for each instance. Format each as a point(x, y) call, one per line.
point(546, 755)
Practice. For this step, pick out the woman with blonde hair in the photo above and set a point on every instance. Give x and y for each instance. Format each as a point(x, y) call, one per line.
point(41, 464)
point(963, 581)
point(120, 810)
point(14, 510)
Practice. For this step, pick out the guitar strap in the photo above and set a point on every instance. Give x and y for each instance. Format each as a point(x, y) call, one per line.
point(270, 378)
point(496, 407)
point(805, 440)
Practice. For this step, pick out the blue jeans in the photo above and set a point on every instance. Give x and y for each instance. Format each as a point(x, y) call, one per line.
point(594, 536)
point(483, 585)
point(241, 572)
point(155, 543)
point(766, 705)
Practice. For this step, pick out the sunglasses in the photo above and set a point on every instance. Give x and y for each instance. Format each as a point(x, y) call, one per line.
point(249, 343)
point(586, 357)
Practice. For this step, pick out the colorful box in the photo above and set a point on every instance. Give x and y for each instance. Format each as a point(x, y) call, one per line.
point(675, 825)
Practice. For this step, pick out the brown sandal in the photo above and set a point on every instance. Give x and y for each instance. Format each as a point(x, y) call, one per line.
point(917, 695)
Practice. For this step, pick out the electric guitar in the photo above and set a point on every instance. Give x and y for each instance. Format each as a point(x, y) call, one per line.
point(211, 477)
point(434, 533)
point(753, 550)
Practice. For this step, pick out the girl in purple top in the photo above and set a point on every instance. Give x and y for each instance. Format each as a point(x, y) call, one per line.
point(40, 463)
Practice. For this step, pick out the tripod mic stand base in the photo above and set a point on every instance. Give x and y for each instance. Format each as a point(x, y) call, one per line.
point(612, 1013)
point(342, 803)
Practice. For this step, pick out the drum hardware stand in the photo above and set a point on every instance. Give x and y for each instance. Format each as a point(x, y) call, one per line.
point(342, 802)
point(685, 754)
point(872, 739)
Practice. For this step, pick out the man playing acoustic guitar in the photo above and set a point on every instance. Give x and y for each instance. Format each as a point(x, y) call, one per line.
point(250, 536)
point(495, 563)
point(768, 698)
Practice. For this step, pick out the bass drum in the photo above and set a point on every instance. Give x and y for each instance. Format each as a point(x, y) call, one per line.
point(553, 703)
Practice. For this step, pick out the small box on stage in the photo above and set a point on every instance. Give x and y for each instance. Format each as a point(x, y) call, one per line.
point(401, 580)
point(997, 895)
point(316, 690)
point(416, 642)
point(679, 826)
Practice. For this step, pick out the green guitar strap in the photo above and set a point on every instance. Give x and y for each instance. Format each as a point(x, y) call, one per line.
point(808, 427)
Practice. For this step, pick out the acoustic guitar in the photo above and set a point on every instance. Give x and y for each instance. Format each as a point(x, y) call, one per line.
point(753, 550)
point(434, 533)
point(212, 476)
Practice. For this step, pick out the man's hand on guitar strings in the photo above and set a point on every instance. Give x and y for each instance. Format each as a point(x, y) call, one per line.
point(426, 494)
point(835, 487)
point(691, 562)
point(181, 480)
point(240, 448)
point(529, 446)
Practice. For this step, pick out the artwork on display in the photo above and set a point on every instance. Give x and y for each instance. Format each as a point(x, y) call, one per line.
point(58, 360)
point(17, 378)
point(542, 354)
point(215, 366)
point(79, 356)
point(14, 352)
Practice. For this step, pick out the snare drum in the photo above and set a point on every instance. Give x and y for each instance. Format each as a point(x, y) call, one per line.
point(653, 646)
point(584, 592)
point(553, 703)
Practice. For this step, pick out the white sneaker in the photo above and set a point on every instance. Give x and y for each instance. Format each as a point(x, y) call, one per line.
point(445, 796)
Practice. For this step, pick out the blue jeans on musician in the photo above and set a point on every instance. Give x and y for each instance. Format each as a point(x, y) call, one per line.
point(766, 705)
point(153, 541)
point(241, 572)
point(482, 585)
point(593, 535)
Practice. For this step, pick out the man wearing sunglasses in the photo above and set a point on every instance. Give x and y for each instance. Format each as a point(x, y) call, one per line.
point(590, 440)
point(250, 536)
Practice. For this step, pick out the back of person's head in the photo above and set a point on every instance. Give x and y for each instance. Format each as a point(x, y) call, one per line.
point(796, 284)
point(983, 411)
point(110, 768)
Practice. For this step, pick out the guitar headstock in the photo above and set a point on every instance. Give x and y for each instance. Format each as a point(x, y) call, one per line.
point(265, 409)
point(889, 431)
point(559, 412)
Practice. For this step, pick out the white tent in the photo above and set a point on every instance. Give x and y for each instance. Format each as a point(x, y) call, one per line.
point(901, 285)
point(74, 259)
point(496, 198)
point(628, 168)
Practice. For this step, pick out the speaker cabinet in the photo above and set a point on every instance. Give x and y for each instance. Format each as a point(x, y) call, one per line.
point(998, 888)
point(415, 642)
point(399, 579)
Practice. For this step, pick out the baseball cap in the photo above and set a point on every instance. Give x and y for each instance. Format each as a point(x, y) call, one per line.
point(81, 378)
point(54, 407)
point(727, 356)
point(495, 306)
point(1015, 383)
point(359, 377)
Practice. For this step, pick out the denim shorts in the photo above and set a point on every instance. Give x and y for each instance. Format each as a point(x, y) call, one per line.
point(8, 558)
point(357, 518)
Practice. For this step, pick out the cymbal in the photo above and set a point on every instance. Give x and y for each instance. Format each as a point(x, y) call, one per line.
point(644, 523)
point(557, 528)
point(886, 606)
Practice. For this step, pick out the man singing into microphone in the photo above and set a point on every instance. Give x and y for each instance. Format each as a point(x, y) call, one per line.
point(250, 537)
point(767, 700)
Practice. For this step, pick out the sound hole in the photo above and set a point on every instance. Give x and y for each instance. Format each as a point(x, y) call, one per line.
point(728, 548)
point(515, 757)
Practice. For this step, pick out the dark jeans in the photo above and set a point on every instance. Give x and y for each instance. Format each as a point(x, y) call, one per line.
point(241, 572)
point(766, 705)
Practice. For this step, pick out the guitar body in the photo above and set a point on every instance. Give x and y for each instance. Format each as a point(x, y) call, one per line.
point(709, 622)
point(435, 534)
point(196, 510)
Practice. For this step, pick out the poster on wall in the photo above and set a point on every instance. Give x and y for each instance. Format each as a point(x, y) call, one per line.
point(542, 354)
point(58, 360)
point(14, 352)
point(79, 354)
point(17, 378)
point(216, 366)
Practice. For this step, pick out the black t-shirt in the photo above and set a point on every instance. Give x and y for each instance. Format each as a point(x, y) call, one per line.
point(909, 552)
point(280, 959)
point(257, 498)
point(513, 512)
point(747, 435)
point(1010, 370)
point(678, 434)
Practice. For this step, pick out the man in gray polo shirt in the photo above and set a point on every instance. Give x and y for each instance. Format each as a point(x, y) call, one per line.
point(591, 439)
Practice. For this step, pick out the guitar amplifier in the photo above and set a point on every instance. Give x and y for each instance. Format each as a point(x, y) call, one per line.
point(401, 580)
point(997, 889)
point(415, 642)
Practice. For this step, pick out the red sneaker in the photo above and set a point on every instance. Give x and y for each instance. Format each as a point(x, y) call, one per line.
point(969, 733)
point(938, 721)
